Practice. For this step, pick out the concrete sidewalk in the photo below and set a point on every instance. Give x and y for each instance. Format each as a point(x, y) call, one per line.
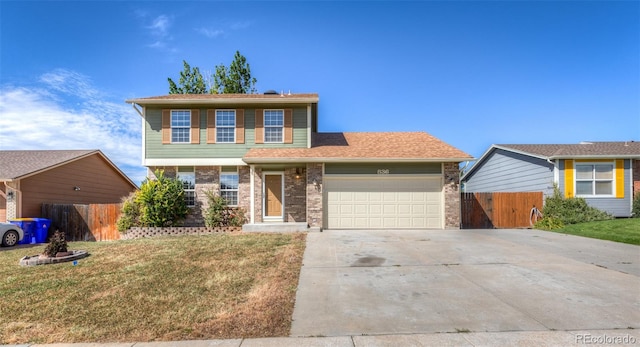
point(618, 337)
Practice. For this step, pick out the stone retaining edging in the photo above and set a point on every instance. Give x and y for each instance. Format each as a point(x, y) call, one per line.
point(41, 260)
point(141, 232)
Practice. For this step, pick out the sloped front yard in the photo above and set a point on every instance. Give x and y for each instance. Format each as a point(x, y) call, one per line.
point(192, 287)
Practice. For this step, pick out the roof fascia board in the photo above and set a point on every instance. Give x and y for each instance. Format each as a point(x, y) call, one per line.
point(490, 150)
point(117, 169)
point(194, 162)
point(350, 160)
point(33, 173)
point(529, 154)
point(608, 156)
point(224, 101)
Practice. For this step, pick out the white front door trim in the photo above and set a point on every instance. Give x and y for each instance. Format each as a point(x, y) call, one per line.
point(266, 218)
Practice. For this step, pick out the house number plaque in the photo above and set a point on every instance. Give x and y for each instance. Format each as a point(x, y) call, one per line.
point(383, 171)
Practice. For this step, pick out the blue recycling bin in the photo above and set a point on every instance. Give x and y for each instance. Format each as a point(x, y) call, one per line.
point(41, 229)
point(28, 225)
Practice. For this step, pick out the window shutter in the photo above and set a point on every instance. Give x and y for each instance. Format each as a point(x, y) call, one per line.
point(240, 125)
point(166, 126)
point(619, 170)
point(195, 126)
point(211, 126)
point(288, 126)
point(259, 132)
point(568, 179)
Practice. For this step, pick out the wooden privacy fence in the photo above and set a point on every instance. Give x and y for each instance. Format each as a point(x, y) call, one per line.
point(498, 210)
point(95, 222)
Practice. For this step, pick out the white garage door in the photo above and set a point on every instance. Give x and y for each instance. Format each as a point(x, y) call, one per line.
point(383, 202)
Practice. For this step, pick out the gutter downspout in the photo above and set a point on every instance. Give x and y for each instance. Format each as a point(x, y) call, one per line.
point(137, 110)
point(556, 171)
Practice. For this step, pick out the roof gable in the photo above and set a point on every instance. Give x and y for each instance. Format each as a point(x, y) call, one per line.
point(19, 164)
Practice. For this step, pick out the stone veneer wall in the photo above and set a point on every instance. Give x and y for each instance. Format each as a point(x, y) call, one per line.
point(257, 195)
point(208, 179)
point(295, 208)
point(314, 195)
point(451, 195)
point(244, 190)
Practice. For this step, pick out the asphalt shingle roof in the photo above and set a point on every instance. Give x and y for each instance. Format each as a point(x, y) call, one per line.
point(585, 149)
point(365, 146)
point(16, 164)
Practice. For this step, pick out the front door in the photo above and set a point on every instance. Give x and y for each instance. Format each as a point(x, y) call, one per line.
point(273, 196)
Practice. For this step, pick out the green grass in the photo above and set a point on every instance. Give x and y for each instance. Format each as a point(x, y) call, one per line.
point(619, 230)
point(179, 288)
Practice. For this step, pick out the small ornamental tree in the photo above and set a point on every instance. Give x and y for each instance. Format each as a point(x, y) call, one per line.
point(57, 243)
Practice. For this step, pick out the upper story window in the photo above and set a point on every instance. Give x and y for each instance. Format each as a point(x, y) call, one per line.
point(225, 126)
point(188, 177)
point(180, 126)
point(594, 179)
point(273, 126)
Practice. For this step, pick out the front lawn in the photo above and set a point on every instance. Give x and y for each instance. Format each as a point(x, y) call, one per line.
point(620, 230)
point(179, 288)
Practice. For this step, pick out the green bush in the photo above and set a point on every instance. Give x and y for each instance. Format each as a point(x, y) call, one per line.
point(549, 223)
point(219, 214)
point(130, 213)
point(158, 203)
point(571, 210)
point(635, 212)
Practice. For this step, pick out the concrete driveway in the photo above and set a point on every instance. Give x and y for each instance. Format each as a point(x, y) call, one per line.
point(433, 281)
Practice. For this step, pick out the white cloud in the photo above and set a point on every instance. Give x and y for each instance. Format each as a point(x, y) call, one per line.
point(240, 25)
point(159, 30)
point(210, 33)
point(67, 112)
point(160, 26)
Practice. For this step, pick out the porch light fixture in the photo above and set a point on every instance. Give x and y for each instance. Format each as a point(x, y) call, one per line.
point(76, 188)
point(10, 196)
point(299, 172)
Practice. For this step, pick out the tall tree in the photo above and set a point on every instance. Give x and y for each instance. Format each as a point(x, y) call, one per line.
point(191, 82)
point(234, 79)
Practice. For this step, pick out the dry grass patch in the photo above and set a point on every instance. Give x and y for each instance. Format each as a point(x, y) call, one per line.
point(192, 287)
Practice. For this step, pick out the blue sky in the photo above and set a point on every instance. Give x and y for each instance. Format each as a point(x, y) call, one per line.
point(471, 73)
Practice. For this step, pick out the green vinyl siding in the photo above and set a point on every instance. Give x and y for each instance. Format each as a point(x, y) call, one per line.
point(154, 149)
point(385, 168)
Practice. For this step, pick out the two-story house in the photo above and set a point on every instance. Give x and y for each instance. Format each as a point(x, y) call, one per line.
point(263, 153)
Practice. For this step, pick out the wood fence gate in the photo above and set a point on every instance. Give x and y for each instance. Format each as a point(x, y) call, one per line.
point(95, 222)
point(498, 210)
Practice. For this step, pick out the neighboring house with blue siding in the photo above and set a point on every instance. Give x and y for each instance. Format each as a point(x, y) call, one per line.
point(606, 174)
point(264, 153)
